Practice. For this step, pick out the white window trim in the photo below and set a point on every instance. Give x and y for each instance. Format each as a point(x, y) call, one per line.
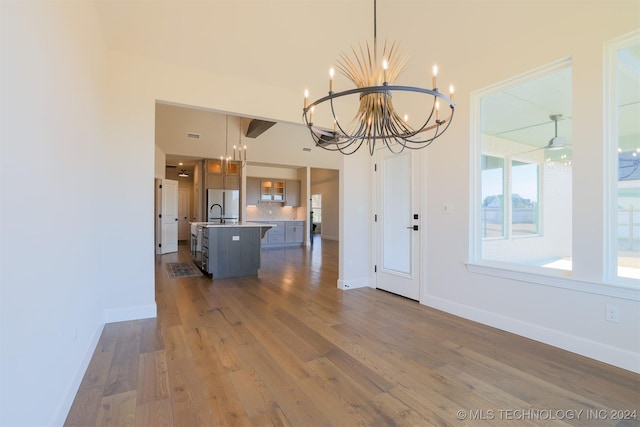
point(554, 278)
point(610, 136)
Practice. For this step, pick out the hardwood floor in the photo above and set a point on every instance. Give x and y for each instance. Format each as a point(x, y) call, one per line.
point(288, 348)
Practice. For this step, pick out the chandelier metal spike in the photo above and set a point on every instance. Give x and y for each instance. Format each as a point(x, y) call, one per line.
point(377, 120)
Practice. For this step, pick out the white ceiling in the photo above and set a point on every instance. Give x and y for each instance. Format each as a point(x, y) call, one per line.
point(252, 38)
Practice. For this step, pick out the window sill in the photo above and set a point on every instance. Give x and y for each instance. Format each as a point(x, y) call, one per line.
point(555, 278)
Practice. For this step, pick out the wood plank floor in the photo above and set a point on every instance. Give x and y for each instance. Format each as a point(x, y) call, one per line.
point(288, 348)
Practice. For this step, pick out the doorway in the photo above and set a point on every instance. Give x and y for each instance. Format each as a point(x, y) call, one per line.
point(398, 224)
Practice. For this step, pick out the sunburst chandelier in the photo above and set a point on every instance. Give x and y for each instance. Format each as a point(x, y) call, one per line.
point(377, 120)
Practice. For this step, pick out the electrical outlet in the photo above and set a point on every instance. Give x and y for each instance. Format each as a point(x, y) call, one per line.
point(612, 313)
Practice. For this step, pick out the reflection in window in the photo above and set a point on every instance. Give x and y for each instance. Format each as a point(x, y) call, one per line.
point(492, 197)
point(524, 199)
point(526, 171)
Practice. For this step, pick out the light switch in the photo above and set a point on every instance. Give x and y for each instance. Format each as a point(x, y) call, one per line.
point(235, 238)
point(447, 208)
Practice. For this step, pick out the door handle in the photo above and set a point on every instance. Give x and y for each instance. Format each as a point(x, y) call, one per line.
point(413, 227)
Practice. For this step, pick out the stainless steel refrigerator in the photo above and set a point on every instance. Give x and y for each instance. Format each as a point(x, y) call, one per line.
point(223, 205)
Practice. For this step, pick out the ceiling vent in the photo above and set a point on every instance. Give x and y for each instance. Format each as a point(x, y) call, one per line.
point(191, 135)
point(170, 166)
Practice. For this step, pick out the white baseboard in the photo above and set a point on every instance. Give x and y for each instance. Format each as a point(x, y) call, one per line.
point(353, 284)
point(130, 313)
point(65, 406)
point(621, 358)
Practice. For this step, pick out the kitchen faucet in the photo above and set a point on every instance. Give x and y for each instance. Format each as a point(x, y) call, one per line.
point(221, 214)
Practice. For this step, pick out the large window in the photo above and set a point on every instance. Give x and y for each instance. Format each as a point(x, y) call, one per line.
point(624, 167)
point(524, 188)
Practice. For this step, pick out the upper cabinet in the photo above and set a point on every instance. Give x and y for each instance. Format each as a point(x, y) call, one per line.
point(292, 193)
point(222, 174)
point(283, 191)
point(272, 190)
point(253, 191)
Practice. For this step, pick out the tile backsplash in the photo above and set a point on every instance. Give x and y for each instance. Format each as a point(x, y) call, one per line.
point(271, 211)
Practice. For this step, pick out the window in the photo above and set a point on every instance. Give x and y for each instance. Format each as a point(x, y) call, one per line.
point(624, 165)
point(524, 199)
point(524, 180)
point(316, 208)
point(492, 180)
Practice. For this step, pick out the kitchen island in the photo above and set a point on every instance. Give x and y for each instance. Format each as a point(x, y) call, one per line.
point(228, 249)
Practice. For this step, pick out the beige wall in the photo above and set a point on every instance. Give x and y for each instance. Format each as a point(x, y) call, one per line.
point(326, 182)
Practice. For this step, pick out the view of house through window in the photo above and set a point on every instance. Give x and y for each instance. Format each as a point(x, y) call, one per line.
point(526, 171)
point(493, 214)
point(524, 198)
point(627, 130)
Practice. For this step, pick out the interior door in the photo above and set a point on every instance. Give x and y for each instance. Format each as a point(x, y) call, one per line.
point(169, 216)
point(183, 214)
point(397, 226)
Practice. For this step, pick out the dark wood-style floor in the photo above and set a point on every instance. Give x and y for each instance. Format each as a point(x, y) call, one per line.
point(288, 348)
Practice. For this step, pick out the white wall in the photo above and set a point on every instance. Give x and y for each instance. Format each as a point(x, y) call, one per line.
point(355, 267)
point(52, 207)
point(159, 164)
point(326, 182)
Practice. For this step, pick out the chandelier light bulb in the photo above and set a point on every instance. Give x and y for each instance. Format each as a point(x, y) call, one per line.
point(433, 77)
point(331, 74)
point(451, 92)
point(385, 67)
